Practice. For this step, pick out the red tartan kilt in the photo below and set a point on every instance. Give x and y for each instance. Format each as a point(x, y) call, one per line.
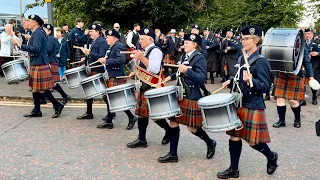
point(255, 127)
point(289, 86)
point(167, 59)
point(116, 82)
point(142, 109)
point(40, 78)
point(191, 113)
point(55, 72)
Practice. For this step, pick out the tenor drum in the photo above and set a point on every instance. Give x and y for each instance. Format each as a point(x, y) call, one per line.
point(284, 48)
point(163, 102)
point(74, 76)
point(93, 86)
point(121, 98)
point(15, 70)
point(219, 112)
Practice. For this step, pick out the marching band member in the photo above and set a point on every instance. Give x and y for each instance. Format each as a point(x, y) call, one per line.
point(40, 78)
point(292, 88)
point(252, 113)
point(173, 44)
point(115, 66)
point(52, 48)
point(152, 63)
point(77, 37)
point(97, 50)
point(191, 113)
point(313, 50)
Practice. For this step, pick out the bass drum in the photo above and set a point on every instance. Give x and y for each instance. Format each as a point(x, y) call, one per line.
point(284, 48)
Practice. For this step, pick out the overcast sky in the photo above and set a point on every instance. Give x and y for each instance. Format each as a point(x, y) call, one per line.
point(13, 7)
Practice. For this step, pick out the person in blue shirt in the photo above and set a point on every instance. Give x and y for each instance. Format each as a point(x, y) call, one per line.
point(252, 113)
point(62, 54)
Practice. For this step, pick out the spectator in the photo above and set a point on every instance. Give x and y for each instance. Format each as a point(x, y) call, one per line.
point(122, 39)
point(6, 40)
point(63, 54)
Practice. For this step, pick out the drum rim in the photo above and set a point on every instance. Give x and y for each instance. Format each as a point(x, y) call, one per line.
point(222, 128)
point(10, 63)
point(74, 70)
point(166, 115)
point(96, 76)
point(155, 92)
point(93, 95)
point(121, 87)
point(227, 101)
point(123, 108)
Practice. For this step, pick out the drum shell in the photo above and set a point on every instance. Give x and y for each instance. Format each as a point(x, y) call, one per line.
point(163, 102)
point(284, 48)
point(74, 76)
point(93, 86)
point(121, 98)
point(221, 115)
point(15, 70)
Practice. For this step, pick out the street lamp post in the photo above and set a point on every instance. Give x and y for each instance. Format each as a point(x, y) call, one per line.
point(50, 11)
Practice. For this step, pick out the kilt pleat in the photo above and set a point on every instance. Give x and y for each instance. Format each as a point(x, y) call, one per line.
point(142, 109)
point(190, 113)
point(255, 127)
point(40, 78)
point(55, 72)
point(289, 86)
point(167, 59)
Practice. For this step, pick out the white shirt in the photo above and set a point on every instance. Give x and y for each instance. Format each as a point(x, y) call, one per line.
point(155, 59)
point(129, 39)
point(190, 53)
point(5, 44)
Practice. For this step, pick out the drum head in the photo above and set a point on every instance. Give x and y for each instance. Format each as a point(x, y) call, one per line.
point(73, 70)
point(119, 88)
point(97, 76)
point(12, 62)
point(161, 91)
point(216, 99)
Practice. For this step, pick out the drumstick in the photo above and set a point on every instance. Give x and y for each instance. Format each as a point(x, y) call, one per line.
point(93, 63)
point(120, 77)
point(127, 52)
point(76, 62)
point(247, 64)
point(96, 66)
point(77, 47)
point(174, 65)
point(218, 90)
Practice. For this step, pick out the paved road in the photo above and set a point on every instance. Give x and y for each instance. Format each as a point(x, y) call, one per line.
point(64, 148)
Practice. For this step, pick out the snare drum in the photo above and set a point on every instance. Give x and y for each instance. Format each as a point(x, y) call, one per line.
point(93, 86)
point(121, 98)
point(74, 76)
point(163, 102)
point(15, 70)
point(219, 112)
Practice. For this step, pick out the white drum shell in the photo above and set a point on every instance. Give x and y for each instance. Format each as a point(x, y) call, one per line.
point(74, 76)
point(163, 102)
point(15, 70)
point(93, 86)
point(121, 98)
point(219, 112)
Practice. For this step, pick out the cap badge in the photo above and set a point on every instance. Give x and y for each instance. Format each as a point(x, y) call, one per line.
point(94, 26)
point(146, 31)
point(110, 32)
point(252, 30)
point(192, 37)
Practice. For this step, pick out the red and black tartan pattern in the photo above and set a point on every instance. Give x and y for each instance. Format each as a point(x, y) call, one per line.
point(191, 113)
point(55, 71)
point(255, 127)
point(289, 86)
point(116, 82)
point(77, 55)
point(142, 109)
point(167, 59)
point(40, 78)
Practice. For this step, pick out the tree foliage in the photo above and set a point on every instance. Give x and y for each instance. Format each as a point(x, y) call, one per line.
point(167, 14)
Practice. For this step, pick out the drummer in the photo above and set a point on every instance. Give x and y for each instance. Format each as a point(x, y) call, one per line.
point(98, 50)
point(52, 49)
point(115, 66)
point(152, 63)
point(252, 113)
point(40, 78)
point(191, 113)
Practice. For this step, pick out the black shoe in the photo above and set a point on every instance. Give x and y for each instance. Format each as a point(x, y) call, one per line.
point(211, 149)
point(85, 116)
point(212, 81)
point(229, 173)
point(105, 125)
point(272, 164)
point(57, 111)
point(137, 143)
point(297, 123)
point(303, 103)
point(132, 122)
point(66, 99)
point(279, 124)
point(267, 98)
point(165, 139)
point(33, 114)
point(314, 102)
point(106, 117)
point(43, 101)
point(168, 159)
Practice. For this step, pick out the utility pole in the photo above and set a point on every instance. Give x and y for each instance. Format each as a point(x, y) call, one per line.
point(50, 11)
point(21, 15)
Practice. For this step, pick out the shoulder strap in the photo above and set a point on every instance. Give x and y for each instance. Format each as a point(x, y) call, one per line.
point(193, 55)
point(150, 50)
point(251, 61)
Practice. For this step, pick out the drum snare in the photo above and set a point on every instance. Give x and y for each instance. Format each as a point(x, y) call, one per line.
point(121, 98)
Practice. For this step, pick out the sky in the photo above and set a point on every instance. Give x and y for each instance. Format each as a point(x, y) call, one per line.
point(13, 7)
